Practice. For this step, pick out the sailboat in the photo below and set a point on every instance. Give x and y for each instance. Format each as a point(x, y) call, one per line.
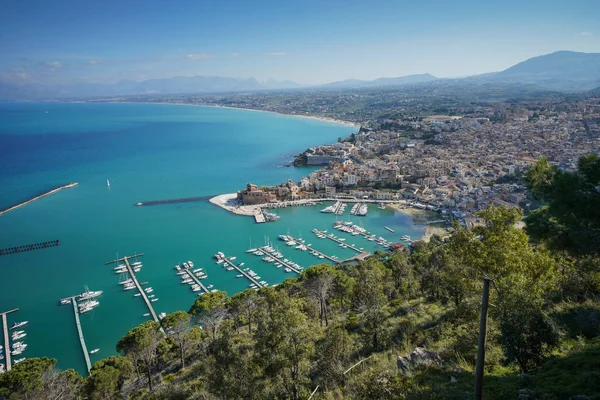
point(107, 183)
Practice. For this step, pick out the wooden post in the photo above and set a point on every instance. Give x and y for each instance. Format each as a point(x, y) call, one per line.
point(482, 336)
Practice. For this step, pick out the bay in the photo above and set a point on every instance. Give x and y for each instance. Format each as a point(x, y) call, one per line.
point(148, 152)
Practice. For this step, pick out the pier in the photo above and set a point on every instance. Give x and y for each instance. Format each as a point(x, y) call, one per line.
point(196, 279)
point(280, 260)
point(6, 338)
point(29, 247)
point(251, 279)
point(316, 231)
point(173, 201)
point(135, 281)
point(259, 218)
point(333, 260)
point(48, 193)
point(86, 355)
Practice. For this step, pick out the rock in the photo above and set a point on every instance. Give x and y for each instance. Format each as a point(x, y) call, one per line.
point(579, 397)
point(418, 358)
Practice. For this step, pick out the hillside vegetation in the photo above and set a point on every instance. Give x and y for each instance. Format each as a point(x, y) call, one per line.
point(398, 325)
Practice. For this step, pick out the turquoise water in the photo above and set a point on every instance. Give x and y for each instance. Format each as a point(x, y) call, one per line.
point(149, 152)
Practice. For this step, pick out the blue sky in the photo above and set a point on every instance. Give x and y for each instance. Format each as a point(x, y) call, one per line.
point(307, 41)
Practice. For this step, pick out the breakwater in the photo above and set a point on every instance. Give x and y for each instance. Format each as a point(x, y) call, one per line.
point(28, 247)
point(173, 201)
point(48, 193)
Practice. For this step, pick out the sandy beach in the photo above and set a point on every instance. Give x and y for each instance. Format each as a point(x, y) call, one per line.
point(420, 217)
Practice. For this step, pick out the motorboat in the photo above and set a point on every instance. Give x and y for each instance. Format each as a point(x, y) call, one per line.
point(18, 325)
point(94, 351)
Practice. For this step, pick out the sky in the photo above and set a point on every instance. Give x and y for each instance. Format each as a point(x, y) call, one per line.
point(308, 41)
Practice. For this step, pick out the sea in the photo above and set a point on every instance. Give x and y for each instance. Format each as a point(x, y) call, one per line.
point(147, 152)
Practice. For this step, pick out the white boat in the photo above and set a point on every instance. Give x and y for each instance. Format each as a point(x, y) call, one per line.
point(162, 315)
point(131, 287)
point(220, 261)
point(232, 258)
point(137, 263)
point(20, 360)
point(241, 265)
point(153, 300)
point(148, 289)
point(18, 324)
point(120, 266)
point(19, 336)
point(191, 264)
point(209, 286)
point(94, 351)
point(251, 250)
point(126, 281)
point(137, 294)
point(17, 345)
point(65, 301)
point(147, 314)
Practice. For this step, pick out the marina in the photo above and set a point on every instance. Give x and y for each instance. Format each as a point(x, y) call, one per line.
point(193, 277)
point(29, 247)
point(135, 282)
point(227, 261)
point(320, 255)
point(80, 334)
point(279, 259)
point(332, 237)
point(6, 337)
point(48, 193)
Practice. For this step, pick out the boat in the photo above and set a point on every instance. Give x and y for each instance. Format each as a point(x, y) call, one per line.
point(153, 300)
point(18, 325)
point(107, 183)
point(137, 294)
point(148, 289)
point(209, 286)
point(137, 263)
point(20, 360)
point(65, 301)
point(406, 237)
point(147, 314)
point(130, 287)
point(162, 315)
point(94, 351)
point(19, 336)
point(126, 281)
point(191, 264)
point(232, 258)
point(251, 250)
point(381, 206)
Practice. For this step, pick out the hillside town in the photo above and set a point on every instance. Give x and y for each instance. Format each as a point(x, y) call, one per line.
point(458, 164)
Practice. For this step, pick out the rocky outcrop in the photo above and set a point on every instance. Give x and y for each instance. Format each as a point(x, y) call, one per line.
point(417, 359)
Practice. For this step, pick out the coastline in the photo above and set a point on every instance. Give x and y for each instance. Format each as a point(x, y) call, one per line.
point(421, 217)
point(313, 117)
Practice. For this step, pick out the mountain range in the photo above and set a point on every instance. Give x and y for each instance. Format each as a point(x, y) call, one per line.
point(562, 71)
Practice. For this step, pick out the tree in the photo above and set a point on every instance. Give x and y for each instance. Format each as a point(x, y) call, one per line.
point(571, 219)
point(179, 328)
point(334, 352)
point(107, 377)
point(284, 342)
point(528, 335)
point(210, 310)
point(245, 304)
point(318, 282)
point(38, 378)
point(141, 344)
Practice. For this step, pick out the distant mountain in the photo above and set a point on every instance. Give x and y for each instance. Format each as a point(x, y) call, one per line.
point(562, 70)
point(179, 84)
point(402, 80)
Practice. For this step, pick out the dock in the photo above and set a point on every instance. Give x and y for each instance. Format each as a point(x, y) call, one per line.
point(259, 218)
point(196, 279)
point(251, 279)
point(280, 260)
point(333, 260)
point(48, 193)
point(173, 201)
point(316, 231)
point(86, 355)
point(135, 281)
point(6, 338)
point(29, 247)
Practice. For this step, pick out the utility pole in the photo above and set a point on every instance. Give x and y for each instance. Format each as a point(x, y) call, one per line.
point(482, 337)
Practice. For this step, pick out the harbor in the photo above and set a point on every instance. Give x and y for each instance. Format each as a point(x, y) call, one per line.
point(227, 261)
point(80, 333)
point(317, 253)
point(277, 258)
point(341, 242)
point(131, 272)
point(38, 197)
point(188, 272)
point(6, 338)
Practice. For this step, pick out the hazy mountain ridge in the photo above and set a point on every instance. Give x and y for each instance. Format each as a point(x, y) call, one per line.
point(559, 71)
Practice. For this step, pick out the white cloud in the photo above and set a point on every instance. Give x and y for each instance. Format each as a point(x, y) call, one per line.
point(276, 54)
point(234, 54)
point(52, 64)
point(585, 33)
point(15, 75)
point(94, 62)
point(200, 56)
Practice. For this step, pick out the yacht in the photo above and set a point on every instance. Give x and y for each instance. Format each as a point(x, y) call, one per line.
point(209, 286)
point(94, 351)
point(20, 360)
point(136, 264)
point(162, 315)
point(19, 336)
point(126, 281)
point(128, 287)
point(148, 290)
point(18, 324)
point(251, 250)
point(405, 237)
point(191, 264)
point(65, 301)
point(153, 300)
point(137, 294)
